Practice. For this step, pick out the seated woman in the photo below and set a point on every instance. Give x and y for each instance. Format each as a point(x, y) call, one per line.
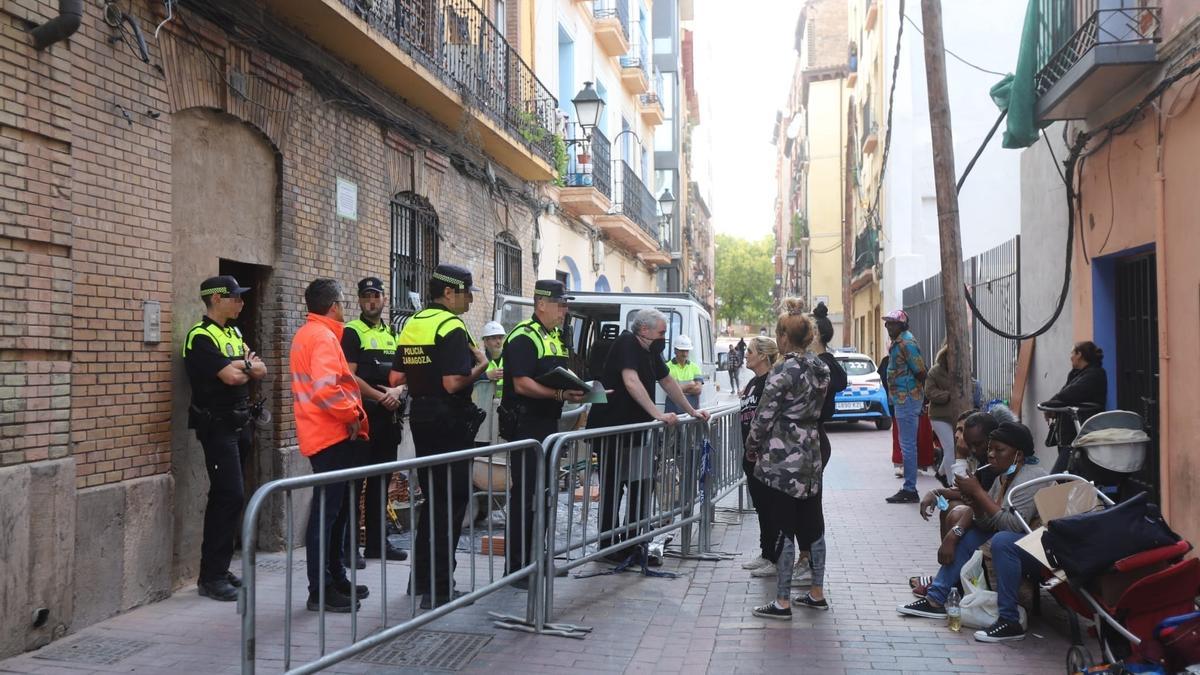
point(1008, 446)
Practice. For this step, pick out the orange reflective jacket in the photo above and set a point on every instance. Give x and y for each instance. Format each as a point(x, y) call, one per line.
point(325, 396)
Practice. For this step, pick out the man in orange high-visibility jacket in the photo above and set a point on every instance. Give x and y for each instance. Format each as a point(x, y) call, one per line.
point(331, 427)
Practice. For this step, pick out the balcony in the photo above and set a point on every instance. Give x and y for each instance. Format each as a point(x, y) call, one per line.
point(635, 66)
point(650, 104)
point(633, 222)
point(588, 181)
point(1088, 51)
point(866, 257)
point(447, 59)
point(612, 26)
point(870, 129)
point(872, 14)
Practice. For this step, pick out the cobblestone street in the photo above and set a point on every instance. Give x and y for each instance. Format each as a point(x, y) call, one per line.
point(697, 622)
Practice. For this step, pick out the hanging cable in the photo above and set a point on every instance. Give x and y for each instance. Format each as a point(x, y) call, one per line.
point(961, 59)
point(971, 164)
point(887, 133)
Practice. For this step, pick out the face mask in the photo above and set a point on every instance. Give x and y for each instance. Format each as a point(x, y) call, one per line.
point(1011, 470)
point(657, 346)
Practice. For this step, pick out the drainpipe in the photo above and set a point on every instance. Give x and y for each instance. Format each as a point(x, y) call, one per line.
point(1164, 350)
point(61, 27)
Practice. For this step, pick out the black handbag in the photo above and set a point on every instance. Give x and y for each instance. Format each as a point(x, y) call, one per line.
point(1088, 544)
point(1052, 434)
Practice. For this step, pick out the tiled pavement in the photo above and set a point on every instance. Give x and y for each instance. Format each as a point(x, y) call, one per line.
point(698, 622)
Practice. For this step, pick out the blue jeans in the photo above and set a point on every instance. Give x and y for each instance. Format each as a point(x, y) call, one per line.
point(1012, 564)
point(948, 575)
point(908, 416)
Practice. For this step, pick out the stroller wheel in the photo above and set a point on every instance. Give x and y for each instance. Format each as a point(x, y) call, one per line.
point(1078, 659)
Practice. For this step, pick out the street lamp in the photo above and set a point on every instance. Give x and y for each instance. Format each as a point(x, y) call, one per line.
point(791, 258)
point(588, 106)
point(667, 203)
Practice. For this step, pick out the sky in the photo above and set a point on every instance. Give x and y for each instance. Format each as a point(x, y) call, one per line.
point(744, 60)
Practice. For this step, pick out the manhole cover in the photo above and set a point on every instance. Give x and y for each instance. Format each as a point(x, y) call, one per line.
point(93, 650)
point(439, 650)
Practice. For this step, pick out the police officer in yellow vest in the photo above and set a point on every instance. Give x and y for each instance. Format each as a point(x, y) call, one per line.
point(369, 344)
point(220, 366)
point(531, 410)
point(439, 361)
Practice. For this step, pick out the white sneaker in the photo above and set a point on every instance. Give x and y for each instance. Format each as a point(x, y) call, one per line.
point(802, 574)
point(768, 570)
point(758, 562)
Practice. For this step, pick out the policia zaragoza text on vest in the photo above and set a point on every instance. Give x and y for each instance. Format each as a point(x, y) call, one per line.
point(529, 410)
point(219, 367)
point(439, 361)
point(370, 347)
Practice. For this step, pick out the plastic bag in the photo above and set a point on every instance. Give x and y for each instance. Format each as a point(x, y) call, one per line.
point(980, 605)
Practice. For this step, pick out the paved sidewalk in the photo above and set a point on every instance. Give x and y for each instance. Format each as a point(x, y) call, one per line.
point(697, 622)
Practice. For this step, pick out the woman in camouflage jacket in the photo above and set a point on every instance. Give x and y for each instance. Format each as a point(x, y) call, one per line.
point(785, 445)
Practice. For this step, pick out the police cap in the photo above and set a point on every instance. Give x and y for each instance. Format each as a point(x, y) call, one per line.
point(224, 285)
point(455, 276)
point(551, 289)
point(369, 285)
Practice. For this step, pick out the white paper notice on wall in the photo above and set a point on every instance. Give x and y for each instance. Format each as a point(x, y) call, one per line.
point(347, 199)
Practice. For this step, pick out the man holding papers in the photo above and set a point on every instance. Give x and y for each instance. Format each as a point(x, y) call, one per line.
point(530, 410)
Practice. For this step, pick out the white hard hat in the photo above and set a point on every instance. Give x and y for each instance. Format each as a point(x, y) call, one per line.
point(683, 342)
point(492, 329)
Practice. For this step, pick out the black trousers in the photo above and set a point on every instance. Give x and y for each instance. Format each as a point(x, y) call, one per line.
point(344, 455)
point(767, 532)
point(522, 499)
point(385, 436)
point(447, 491)
point(225, 449)
point(623, 450)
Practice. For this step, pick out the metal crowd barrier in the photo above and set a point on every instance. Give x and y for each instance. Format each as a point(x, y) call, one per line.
point(664, 475)
point(451, 498)
point(665, 479)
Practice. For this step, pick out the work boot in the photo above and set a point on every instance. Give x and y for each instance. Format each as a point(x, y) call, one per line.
point(335, 601)
point(218, 589)
point(392, 552)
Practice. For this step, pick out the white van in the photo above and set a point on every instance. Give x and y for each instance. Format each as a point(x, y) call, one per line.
point(596, 319)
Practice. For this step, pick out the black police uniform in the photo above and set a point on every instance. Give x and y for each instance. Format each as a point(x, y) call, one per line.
point(373, 348)
point(530, 350)
point(435, 342)
point(220, 415)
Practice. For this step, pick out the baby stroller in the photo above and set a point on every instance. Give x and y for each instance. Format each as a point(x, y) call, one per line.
point(1128, 601)
point(1109, 447)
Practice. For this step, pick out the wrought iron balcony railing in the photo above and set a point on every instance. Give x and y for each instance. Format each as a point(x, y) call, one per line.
point(639, 55)
point(457, 42)
point(655, 95)
point(606, 9)
point(1070, 29)
point(589, 163)
point(866, 250)
point(633, 200)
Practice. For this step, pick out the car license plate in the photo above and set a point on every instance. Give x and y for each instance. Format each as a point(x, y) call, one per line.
point(847, 406)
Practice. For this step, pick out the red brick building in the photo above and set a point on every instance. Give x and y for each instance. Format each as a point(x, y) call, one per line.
point(277, 141)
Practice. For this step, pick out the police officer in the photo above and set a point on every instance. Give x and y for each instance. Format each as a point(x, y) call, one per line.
point(439, 361)
point(369, 344)
point(529, 410)
point(220, 366)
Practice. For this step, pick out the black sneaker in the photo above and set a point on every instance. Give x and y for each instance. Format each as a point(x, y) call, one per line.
point(390, 551)
point(335, 601)
point(343, 587)
point(904, 497)
point(806, 600)
point(1001, 631)
point(218, 589)
point(233, 579)
point(773, 611)
point(923, 608)
point(359, 563)
point(521, 584)
point(427, 601)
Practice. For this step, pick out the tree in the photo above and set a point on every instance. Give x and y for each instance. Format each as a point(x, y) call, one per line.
point(745, 279)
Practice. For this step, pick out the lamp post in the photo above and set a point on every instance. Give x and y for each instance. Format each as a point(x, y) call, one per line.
point(588, 107)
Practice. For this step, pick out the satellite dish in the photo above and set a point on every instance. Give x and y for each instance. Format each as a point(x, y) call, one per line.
point(793, 129)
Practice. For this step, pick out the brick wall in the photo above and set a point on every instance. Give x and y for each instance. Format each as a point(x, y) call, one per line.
point(86, 226)
point(828, 44)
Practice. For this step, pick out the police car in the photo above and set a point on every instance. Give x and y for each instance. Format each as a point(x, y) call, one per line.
point(864, 397)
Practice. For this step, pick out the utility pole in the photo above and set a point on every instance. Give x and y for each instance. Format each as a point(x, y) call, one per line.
point(949, 240)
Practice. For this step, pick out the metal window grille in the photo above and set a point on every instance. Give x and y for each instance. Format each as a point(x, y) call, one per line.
point(414, 252)
point(508, 265)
